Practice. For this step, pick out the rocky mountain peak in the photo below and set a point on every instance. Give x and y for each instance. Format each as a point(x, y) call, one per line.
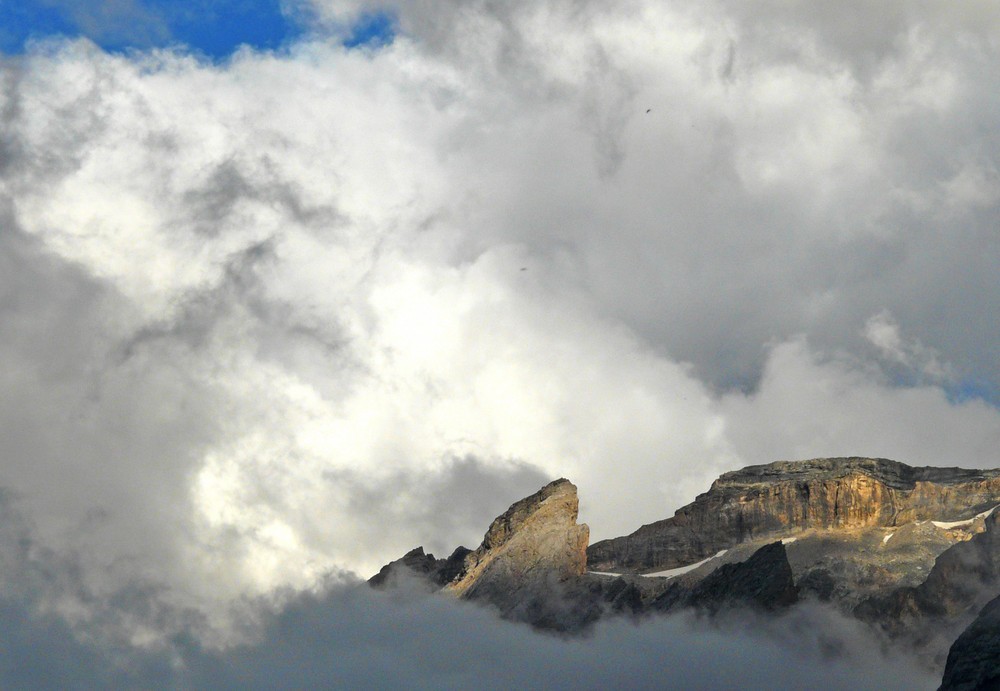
point(531, 565)
point(536, 538)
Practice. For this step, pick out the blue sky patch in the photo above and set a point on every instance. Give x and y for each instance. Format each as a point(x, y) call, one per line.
point(377, 29)
point(971, 391)
point(20, 21)
point(215, 28)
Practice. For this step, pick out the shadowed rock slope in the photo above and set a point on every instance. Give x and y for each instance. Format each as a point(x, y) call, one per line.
point(974, 659)
point(762, 582)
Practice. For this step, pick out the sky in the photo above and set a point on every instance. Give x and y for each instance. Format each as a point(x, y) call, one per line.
point(289, 288)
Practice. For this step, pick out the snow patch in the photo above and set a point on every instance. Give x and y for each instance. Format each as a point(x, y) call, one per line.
point(788, 540)
point(967, 522)
point(670, 573)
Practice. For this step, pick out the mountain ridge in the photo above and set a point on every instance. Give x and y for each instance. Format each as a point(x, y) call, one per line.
point(785, 496)
point(913, 553)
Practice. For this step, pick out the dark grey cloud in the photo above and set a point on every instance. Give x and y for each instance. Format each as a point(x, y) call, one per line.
point(349, 637)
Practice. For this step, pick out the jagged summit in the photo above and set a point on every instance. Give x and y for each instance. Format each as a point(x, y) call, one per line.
point(536, 538)
point(529, 565)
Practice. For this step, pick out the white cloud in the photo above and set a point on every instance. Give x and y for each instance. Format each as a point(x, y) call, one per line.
point(258, 292)
point(883, 332)
point(810, 406)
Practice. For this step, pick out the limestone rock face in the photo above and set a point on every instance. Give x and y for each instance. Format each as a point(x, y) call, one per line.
point(535, 542)
point(779, 498)
point(531, 564)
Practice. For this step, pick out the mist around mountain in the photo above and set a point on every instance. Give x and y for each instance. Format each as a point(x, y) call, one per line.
point(907, 555)
point(409, 633)
point(348, 636)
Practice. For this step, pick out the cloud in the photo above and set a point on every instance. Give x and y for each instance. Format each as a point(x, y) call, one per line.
point(354, 639)
point(349, 637)
point(811, 405)
point(884, 333)
point(301, 312)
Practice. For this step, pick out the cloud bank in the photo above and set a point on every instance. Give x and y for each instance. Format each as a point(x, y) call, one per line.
point(349, 637)
point(296, 312)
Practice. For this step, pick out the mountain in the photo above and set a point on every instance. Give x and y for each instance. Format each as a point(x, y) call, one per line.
point(530, 566)
point(783, 498)
point(931, 614)
point(914, 553)
point(536, 539)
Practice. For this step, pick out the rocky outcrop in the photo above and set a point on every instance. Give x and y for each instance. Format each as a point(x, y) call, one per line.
point(974, 659)
point(781, 498)
point(929, 616)
point(537, 540)
point(530, 565)
point(423, 567)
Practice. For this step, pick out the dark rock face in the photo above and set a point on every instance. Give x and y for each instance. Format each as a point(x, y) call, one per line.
point(436, 572)
point(819, 583)
point(451, 568)
point(974, 659)
point(825, 493)
point(623, 596)
point(763, 582)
